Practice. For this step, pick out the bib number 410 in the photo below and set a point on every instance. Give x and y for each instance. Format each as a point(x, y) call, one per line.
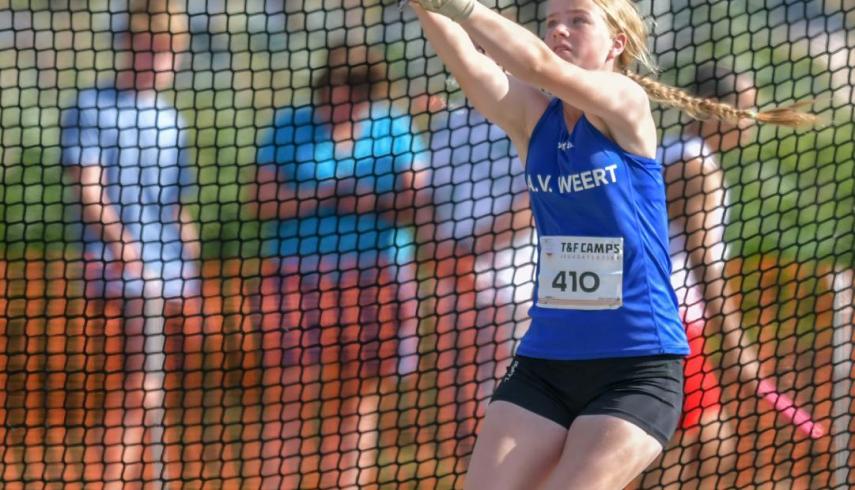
point(587, 282)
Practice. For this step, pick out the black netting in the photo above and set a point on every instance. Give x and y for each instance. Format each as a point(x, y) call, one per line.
point(268, 244)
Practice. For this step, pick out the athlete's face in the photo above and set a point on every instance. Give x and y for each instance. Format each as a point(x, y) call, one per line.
point(576, 30)
point(347, 102)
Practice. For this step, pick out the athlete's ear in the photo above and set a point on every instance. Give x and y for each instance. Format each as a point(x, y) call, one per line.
point(618, 45)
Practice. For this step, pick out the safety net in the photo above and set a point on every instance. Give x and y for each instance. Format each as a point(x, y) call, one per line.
point(269, 244)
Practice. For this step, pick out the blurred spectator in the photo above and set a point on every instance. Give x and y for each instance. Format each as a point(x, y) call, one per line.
point(124, 149)
point(697, 205)
point(338, 298)
point(483, 265)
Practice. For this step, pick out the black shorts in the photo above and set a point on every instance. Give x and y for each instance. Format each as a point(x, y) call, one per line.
point(647, 391)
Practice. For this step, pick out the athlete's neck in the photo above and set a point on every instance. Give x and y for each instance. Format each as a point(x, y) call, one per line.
point(571, 115)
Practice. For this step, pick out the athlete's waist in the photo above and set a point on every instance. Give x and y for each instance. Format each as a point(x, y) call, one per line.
point(581, 334)
point(545, 351)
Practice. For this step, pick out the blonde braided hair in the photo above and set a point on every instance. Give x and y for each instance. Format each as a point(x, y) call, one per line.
point(704, 108)
point(622, 16)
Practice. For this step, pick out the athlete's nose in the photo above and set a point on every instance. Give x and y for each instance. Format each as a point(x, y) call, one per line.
point(560, 31)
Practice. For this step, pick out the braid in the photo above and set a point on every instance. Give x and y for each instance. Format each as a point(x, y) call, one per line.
point(789, 115)
point(702, 108)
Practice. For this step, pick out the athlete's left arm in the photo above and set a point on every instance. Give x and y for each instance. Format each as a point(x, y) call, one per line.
point(615, 98)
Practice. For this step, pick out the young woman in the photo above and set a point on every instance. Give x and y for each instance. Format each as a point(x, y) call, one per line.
point(595, 391)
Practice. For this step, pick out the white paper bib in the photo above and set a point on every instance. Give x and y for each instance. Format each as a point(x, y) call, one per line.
point(580, 273)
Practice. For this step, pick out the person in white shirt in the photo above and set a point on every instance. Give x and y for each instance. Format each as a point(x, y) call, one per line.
point(697, 205)
point(124, 147)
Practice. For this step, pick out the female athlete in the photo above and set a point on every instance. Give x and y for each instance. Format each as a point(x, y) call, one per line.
point(595, 391)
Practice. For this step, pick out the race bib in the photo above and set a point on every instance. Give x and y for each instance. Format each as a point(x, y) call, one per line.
point(580, 273)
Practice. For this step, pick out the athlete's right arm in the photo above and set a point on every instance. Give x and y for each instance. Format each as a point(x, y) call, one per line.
point(507, 102)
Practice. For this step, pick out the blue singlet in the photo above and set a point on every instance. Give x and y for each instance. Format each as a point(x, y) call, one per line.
point(603, 277)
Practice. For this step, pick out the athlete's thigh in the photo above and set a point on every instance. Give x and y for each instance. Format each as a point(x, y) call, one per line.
point(515, 449)
point(602, 452)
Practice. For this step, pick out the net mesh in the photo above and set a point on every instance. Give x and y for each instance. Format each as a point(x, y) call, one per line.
point(268, 244)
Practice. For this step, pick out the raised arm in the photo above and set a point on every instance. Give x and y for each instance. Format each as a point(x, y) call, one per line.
point(621, 105)
point(189, 234)
point(507, 102)
point(269, 197)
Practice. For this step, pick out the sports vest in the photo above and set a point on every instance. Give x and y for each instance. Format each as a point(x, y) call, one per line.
point(602, 285)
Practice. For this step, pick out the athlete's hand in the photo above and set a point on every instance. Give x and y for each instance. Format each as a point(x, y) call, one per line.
point(456, 10)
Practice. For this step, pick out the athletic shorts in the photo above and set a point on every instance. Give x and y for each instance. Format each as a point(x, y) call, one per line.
point(646, 391)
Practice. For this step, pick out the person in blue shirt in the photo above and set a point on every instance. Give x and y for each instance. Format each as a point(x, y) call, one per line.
point(336, 184)
point(124, 148)
point(595, 391)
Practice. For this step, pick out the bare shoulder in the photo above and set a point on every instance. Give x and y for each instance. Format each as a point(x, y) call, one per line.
point(519, 113)
point(629, 121)
point(522, 108)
